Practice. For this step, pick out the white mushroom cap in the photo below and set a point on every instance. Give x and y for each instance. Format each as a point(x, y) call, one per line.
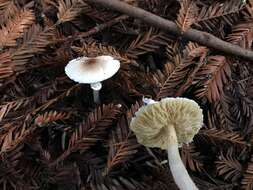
point(92, 70)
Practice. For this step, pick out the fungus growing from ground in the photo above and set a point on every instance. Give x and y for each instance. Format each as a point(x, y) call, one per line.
point(168, 124)
point(92, 71)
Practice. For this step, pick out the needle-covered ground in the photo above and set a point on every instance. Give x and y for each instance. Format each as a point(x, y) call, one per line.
point(54, 137)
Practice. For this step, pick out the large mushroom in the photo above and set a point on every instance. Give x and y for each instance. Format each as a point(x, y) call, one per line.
point(92, 71)
point(167, 125)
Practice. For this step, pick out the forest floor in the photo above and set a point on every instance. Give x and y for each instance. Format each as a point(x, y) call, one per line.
point(53, 135)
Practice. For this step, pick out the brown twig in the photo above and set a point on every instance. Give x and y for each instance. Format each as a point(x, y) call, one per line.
point(103, 26)
point(96, 29)
point(200, 37)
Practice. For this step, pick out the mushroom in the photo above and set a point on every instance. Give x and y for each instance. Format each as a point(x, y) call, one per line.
point(92, 71)
point(168, 124)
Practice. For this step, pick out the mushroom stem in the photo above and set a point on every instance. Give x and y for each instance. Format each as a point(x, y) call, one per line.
point(96, 87)
point(177, 168)
point(96, 96)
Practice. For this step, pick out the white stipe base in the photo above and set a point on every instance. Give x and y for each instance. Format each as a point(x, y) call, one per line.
point(178, 170)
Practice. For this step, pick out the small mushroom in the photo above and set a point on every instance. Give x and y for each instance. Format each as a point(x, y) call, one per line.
point(168, 124)
point(92, 71)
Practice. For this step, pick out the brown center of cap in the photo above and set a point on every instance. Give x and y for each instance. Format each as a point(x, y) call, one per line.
point(90, 61)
